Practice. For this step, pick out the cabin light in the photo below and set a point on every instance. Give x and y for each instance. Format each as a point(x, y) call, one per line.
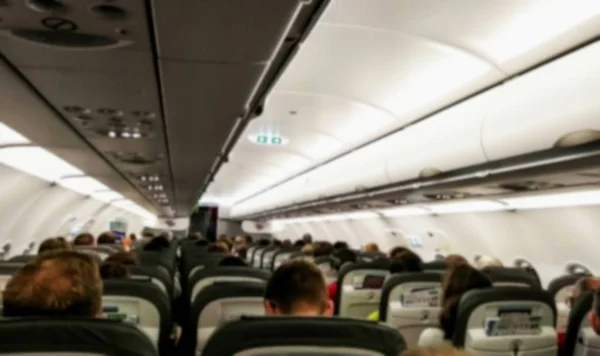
point(136, 135)
point(38, 162)
point(8, 136)
point(125, 134)
point(555, 200)
point(112, 134)
point(466, 206)
point(107, 196)
point(84, 185)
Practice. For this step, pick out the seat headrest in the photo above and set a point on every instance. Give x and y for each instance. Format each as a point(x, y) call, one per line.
point(317, 333)
point(510, 276)
point(439, 265)
point(403, 278)
point(230, 271)
point(564, 281)
point(474, 299)
point(74, 335)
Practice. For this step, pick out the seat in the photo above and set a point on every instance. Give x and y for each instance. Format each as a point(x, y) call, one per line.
point(561, 288)
point(282, 255)
point(411, 303)
point(204, 261)
point(22, 258)
point(72, 336)
point(511, 277)
point(438, 265)
point(258, 260)
point(325, 264)
point(250, 254)
point(99, 254)
point(205, 277)
point(164, 259)
point(219, 303)
point(257, 255)
point(371, 256)
point(159, 276)
point(267, 258)
point(507, 320)
point(143, 304)
point(580, 338)
point(360, 290)
point(275, 336)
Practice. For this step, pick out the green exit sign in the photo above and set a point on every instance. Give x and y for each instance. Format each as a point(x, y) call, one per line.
point(269, 140)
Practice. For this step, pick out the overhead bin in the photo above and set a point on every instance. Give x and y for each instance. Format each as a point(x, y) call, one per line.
point(552, 106)
point(449, 140)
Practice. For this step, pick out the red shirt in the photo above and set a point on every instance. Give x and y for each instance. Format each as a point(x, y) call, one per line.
point(332, 291)
point(561, 340)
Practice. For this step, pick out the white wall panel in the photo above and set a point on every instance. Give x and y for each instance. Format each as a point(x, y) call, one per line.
point(549, 238)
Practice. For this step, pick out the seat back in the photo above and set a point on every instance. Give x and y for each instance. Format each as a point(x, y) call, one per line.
point(561, 288)
point(359, 288)
point(371, 256)
point(22, 258)
point(511, 277)
point(257, 256)
point(141, 303)
point(580, 338)
point(501, 320)
point(250, 254)
point(267, 258)
point(411, 302)
point(274, 336)
point(282, 255)
point(437, 265)
point(325, 264)
point(158, 276)
point(205, 277)
point(72, 336)
point(217, 304)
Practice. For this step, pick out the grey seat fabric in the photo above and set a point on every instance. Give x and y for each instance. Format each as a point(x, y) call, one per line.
point(276, 336)
point(77, 336)
point(561, 288)
point(282, 255)
point(359, 288)
point(511, 276)
point(411, 303)
point(205, 277)
point(500, 320)
point(580, 338)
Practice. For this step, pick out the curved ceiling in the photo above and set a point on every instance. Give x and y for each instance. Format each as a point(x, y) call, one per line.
point(369, 69)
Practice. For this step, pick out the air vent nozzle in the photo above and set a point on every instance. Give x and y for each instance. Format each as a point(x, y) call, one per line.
point(108, 12)
point(47, 6)
point(67, 40)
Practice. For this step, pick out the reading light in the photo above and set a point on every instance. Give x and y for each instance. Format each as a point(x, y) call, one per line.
point(555, 200)
point(107, 196)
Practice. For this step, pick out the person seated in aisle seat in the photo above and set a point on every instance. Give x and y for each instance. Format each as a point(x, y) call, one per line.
point(308, 249)
point(456, 259)
point(322, 248)
point(106, 238)
point(158, 243)
point(52, 244)
point(297, 288)
point(397, 250)
point(56, 283)
point(434, 351)
point(239, 242)
point(114, 270)
point(126, 258)
point(276, 243)
point(457, 280)
point(287, 243)
point(307, 238)
point(219, 247)
point(583, 285)
point(371, 247)
point(202, 242)
point(242, 252)
point(402, 262)
point(341, 257)
point(84, 239)
point(339, 245)
point(299, 243)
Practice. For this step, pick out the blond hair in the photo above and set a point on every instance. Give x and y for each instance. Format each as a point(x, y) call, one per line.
point(371, 247)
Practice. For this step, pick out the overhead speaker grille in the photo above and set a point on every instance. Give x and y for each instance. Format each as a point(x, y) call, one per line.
point(67, 39)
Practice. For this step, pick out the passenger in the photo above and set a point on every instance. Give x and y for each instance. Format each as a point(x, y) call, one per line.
point(299, 243)
point(435, 351)
point(57, 283)
point(583, 285)
point(339, 245)
point(64, 242)
point(126, 258)
point(52, 244)
point(322, 248)
point(226, 242)
point(84, 239)
point(341, 258)
point(242, 252)
point(457, 280)
point(158, 243)
point(307, 238)
point(202, 242)
point(276, 243)
point(287, 243)
point(456, 259)
point(168, 235)
point(371, 247)
point(106, 238)
point(403, 262)
point(219, 247)
point(297, 288)
point(308, 249)
point(264, 242)
point(114, 270)
point(249, 240)
point(398, 250)
point(594, 315)
point(239, 241)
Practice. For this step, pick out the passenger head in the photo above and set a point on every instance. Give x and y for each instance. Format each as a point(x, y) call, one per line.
point(56, 283)
point(52, 244)
point(458, 280)
point(107, 238)
point(84, 239)
point(583, 285)
point(398, 250)
point(406, 262)
point(225, 241)
point(308, 249)
point(445, 350)
point(242, 252)
point(342, 257)
point(338, 245)
point(299, 243)
point(276, 243)
point(217, 248)
point(594, 315)
point(239, 240)
point(286, 243)
point(114, 270)
point(322, 248)
point(126, 258)
point(456, 259)
point(132, 237)
point(371, 247)
point(63, 241)
point(158, 243)
point(307, 238)
point(248, 239)
point(297, 288)
point(202, 242)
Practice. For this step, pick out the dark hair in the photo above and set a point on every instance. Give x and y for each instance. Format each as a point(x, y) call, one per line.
point(286, 243)
point(106, 238)
point(456, 259)
point(84, 239)
point(202, 242)
point(343, 256)
point(52, 244)
point(126, 258)
point(457, 280)
point(276, 243)
point(56, 283)
point(406, 261)
point(133, 237)
point(242, 252)
point(157, 243)
point(338, 245)
point(299, 243)
point(294, 282)
point(248, 239)
point(114, 270)
point(218, 247)
point(398, 250)
point(264, 242)
point(322, 248)
point(307, 238)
